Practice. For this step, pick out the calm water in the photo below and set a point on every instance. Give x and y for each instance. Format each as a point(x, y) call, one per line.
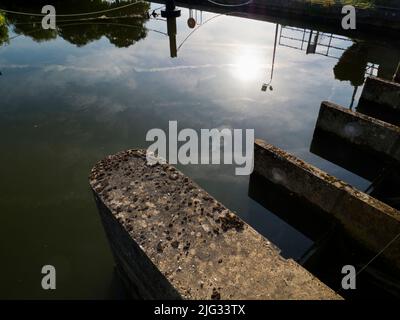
point(68, 99)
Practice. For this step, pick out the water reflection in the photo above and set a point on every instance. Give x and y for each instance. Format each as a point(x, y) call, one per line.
point(3, 30)
point(356, 58)
point(268, 85)
point(66, 106)
point(171, 13)
point(121, 27)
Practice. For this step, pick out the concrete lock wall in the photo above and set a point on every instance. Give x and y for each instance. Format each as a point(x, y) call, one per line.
point(172, 240)
point(382, 92)
point(372, 223)
point(366, 132)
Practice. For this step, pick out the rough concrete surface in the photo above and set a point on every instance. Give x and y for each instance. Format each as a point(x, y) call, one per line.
point(369, 221)
point(382, 92)
point(366, 132)
point(171, 239)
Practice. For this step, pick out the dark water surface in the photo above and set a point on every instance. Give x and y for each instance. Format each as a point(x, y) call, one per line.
point(71, 97)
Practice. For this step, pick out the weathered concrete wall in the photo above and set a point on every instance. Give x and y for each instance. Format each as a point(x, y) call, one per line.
point(371, 222)
point(172, 240)
point(384, 175)
point(382, 92)
point(369, 133)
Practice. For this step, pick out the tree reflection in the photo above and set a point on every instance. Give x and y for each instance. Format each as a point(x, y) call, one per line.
point(121, 27)
point(3, 30)
point(352, 64)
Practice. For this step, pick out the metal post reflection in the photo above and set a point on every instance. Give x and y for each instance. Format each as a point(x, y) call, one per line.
point(171, 13)
point(265, 86)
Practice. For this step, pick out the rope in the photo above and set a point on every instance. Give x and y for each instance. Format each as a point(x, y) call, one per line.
point(73, 14)
point(230, 5)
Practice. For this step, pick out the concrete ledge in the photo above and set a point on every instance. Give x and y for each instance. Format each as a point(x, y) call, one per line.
point(372, 223)
point(382, 92)
point(172, 240)
point(369, 133)
point(384, 176)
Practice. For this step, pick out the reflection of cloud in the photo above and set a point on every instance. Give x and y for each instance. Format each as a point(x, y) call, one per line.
point(103, 106)
point(332, 94)
point(178, 68)
point(14, 66)
point(110, 70)
point(116, 70)
point(233, 100)
point(208, 45)
point(61, 68)
point(131, 83)
point(177, 103)
point(199, 85)
point(207, 77)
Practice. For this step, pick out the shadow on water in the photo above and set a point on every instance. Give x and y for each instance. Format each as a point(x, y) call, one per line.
point(333, 248)
point(382, 112)
point(382, 173)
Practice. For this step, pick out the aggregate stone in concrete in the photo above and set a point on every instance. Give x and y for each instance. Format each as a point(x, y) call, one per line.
point(171, 239)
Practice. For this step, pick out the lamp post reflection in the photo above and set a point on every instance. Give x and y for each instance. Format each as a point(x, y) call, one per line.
point(268, 85)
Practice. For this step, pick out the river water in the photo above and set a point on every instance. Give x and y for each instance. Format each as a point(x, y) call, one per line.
point(92, 88)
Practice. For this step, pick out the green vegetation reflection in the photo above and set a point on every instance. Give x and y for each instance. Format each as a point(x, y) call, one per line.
point(80, 30)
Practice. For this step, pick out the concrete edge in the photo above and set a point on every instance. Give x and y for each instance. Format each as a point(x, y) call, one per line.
point(381, 92)
point(366, 132)
point(369, 221)
point(233, 262)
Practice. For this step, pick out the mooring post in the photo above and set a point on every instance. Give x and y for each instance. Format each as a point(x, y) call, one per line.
point(170, 5)
point(172, 240)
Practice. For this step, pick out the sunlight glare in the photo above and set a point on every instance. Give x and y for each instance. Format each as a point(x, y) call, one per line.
point(247, 66)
